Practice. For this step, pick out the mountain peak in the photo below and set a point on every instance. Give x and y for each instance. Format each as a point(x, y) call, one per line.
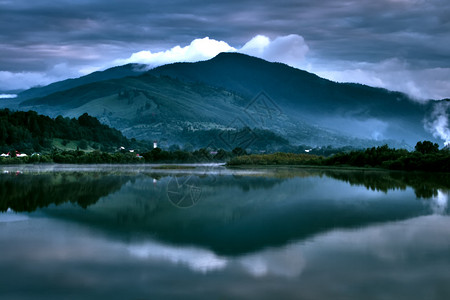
point(235, 55)
point(241, 58)
point(229, 86)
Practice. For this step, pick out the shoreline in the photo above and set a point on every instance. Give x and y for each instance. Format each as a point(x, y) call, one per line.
point(343, 168)
point(161, 167)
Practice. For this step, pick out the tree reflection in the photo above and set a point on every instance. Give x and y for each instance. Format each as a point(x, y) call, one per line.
point(425, 185)
point(26, 193)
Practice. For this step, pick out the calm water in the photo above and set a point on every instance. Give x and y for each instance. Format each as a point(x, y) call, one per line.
point(131, 232)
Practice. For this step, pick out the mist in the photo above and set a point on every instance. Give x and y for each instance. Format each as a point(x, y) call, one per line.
point(437, 123)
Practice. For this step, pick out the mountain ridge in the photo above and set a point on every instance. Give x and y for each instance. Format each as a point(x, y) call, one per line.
point(306, 93)
point(292, 98)
point(111, 73)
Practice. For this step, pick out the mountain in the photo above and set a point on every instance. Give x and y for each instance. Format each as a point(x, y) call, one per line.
point(9, 92)
point(179, 102)
point(150, 107)
point(173, 111)
point(116, 72)
point(353, 109)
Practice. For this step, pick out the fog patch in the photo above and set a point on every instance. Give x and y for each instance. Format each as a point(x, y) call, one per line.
point(393, 74)
point(24, 80)
point(372, 128)
point(437, 123)
point(8, 96)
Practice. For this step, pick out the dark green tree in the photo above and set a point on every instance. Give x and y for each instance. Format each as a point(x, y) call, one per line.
point(427, 147)
point(238, 151)
point(83, 145)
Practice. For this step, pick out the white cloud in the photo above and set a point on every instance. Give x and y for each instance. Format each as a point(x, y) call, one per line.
point(256, 45)
point(197, 50)
point(290, 49)
point(7, 96)
point(393, 74)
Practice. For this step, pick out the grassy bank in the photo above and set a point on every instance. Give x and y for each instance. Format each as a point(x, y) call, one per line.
point(428, 158)
point(278, 158)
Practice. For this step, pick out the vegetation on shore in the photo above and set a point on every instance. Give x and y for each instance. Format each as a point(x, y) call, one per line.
point(426, 157)
point(31, 132)
point(156, 155)
point(278, 158)
point(85, 140)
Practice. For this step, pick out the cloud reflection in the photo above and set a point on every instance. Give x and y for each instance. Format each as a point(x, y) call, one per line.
point(354, 263)
point(285, 261)
point(11, 216)
point(439, 203)
point(195, 258)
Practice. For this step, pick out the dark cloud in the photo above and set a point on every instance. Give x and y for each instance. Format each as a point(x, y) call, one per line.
point(34, 35)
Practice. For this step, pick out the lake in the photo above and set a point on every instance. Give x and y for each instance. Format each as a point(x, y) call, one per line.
point(140, 232)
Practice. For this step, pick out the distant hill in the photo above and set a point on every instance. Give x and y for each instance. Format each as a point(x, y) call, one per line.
point(116, 72)
point(233, 91)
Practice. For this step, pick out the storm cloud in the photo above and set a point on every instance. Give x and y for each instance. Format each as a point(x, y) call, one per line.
point(377, 41)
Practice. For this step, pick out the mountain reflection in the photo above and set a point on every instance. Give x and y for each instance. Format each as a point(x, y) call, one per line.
point(233, 214)
point(290, 229)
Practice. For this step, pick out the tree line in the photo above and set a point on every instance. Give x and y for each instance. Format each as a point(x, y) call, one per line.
point(425, 157)
point(156, 155)
point(30, 132)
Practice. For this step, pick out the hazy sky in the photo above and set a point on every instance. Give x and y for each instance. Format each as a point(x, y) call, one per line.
point(397, 44)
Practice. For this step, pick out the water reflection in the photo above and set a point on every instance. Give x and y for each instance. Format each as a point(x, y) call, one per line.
point(425, 185)
point(264, 234)
point(381, 261)
point(236, 214)
point(21, 192)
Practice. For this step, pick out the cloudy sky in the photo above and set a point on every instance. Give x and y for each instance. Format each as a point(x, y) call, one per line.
point(398, 44)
